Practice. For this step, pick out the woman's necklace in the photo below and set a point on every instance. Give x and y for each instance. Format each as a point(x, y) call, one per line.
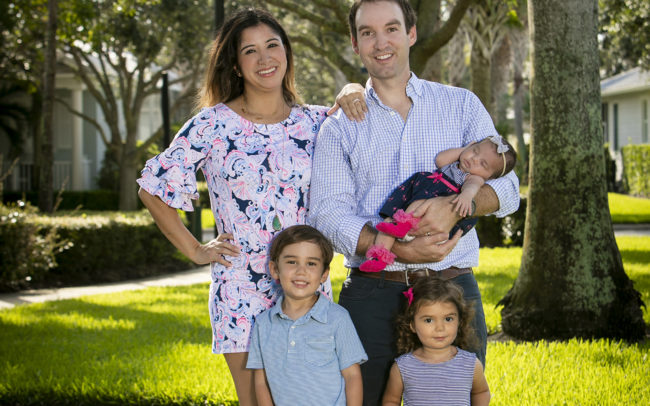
point(277, 223)
point(275, 117)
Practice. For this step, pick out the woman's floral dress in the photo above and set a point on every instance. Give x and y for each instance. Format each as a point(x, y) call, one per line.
point(258, 177)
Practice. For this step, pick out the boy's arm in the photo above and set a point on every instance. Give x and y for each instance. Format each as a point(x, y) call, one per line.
point(262, 391)
point(353, 385)
point(394, 388)
point(448, 156)
point(480, 394)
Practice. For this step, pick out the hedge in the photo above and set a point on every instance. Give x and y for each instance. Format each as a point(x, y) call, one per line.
point(26, 249)
point(636, 167)
point(87, 200)
point(105, 247)
point(506, 231)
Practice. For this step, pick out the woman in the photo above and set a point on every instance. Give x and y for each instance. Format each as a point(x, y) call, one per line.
point(253, 143)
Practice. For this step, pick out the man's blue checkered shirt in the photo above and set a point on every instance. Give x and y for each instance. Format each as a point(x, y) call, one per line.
point(357, 165)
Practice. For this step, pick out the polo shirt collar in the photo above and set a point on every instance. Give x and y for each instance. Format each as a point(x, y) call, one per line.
point(413, 90)
point(318, 311)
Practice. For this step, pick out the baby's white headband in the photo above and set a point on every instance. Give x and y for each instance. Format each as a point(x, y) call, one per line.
point(501, 149)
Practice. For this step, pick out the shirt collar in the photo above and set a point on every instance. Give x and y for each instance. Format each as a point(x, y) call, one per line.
point(413, 90)
point(318, 311)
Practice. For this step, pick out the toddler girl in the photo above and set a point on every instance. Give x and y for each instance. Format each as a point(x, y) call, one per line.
point(433, 369)
point(468, 166)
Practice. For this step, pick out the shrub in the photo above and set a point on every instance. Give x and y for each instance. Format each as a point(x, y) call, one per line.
point(506, 231)
point(109, 247)
point(100, 199)
point(27, 252)
point(610, 169)
point(69, 249)
point(204, 195)
point(636, 166)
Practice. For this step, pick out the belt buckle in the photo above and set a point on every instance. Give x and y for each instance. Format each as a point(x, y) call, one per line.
point(406, 276)
point(406, 273)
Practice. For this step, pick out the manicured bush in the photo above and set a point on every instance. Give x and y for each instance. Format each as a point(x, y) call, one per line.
point(100, 199)
point(636, 167)
point(110, 247)
point(610, 169)
point(26, 250)
point(70, 249)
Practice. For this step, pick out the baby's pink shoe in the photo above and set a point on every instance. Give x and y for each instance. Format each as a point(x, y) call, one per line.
point(378, 258)
point(404, 222)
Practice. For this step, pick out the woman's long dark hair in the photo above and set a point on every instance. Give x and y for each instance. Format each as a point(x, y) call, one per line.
point(221, 83)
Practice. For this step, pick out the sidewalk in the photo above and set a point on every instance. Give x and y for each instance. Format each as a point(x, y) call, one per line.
point(198, 275)
point(193, 276)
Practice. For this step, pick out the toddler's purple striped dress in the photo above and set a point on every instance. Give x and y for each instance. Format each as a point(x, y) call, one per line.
point(446, 383)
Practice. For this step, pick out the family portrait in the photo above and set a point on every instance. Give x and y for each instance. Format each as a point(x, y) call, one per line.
point(393, 222)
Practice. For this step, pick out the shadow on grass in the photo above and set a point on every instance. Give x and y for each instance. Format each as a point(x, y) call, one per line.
point(635, 256)
point(83, 351)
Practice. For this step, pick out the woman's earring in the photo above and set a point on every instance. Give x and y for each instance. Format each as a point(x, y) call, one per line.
point(238, 73)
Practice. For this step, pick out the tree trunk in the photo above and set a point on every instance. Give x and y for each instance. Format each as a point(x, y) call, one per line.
point(46, 156)
point(519, 40)
point(480, 71)
point(128, 186)
point(571, 282)
point(128, 168)
point(500, 64)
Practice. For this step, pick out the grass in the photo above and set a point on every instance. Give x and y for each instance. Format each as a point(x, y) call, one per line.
point(628, 209)
point(153, 347)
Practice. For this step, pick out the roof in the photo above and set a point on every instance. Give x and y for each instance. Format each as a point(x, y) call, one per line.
point(633, 80)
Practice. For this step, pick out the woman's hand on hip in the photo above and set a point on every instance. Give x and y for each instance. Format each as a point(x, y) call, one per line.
point(216, 250)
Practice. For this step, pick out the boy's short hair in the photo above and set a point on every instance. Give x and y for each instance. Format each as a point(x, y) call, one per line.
point(301, 233)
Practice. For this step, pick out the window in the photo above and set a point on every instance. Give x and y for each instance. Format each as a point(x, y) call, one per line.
point(615, 127)
point(644, 122)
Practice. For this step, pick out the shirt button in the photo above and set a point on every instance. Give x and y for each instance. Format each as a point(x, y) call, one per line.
point(392, 113)
point(292, 327)
point(293, 343)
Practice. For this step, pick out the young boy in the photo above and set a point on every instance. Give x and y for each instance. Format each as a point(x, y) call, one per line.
point(305, 349)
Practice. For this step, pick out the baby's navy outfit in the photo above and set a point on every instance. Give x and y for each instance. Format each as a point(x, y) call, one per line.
point(425, 185)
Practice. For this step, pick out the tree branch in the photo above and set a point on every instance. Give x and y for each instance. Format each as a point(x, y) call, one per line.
point(430, 44)
point(302, 12)
point(89, 119)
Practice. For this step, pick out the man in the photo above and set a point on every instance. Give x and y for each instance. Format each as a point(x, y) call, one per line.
point(357, 165)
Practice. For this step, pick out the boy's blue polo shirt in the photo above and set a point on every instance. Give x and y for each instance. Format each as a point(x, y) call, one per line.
point(303, 359)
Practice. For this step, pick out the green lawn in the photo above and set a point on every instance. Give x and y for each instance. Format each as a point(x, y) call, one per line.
point(153, 347)
point(628, 209)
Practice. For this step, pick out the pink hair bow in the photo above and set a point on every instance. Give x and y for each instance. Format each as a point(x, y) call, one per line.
point(409, 295)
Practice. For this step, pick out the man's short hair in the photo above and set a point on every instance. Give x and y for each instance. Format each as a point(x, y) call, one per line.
point(407, 10)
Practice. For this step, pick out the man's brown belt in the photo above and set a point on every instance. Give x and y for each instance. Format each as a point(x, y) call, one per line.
point(410, 276)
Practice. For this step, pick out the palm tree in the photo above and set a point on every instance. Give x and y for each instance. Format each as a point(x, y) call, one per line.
point(13, 123)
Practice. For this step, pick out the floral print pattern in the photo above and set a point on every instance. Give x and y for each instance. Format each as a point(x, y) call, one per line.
point(258, 177)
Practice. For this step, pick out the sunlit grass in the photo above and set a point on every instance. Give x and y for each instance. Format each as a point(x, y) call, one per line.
point(152, 346)
point(628, 209)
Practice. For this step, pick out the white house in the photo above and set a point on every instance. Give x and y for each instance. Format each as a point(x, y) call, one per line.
point(626, 108)
point(78, 147)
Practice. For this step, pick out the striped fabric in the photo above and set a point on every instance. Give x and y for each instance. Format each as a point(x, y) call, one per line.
point(447, 383)
point(357, 165)
point(303, 358)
